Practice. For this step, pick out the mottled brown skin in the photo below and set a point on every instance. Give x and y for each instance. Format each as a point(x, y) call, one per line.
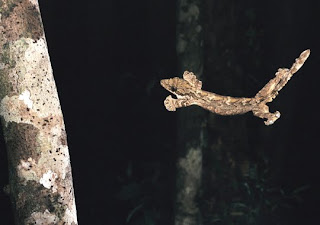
point(188, 92)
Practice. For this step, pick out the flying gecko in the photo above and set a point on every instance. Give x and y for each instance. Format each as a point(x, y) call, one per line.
point(188, 92)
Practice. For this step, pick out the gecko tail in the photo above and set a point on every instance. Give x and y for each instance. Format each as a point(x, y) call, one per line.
point(283, 75)
point(300, 61)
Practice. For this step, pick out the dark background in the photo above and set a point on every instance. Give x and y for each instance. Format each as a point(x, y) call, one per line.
point(108, 58)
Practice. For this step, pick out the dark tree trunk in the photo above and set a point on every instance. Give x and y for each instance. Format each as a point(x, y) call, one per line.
point(191, 121)
point(226, 159)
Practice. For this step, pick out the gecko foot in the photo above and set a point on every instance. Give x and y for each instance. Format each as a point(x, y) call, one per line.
point(169, 103)
point(272, 117)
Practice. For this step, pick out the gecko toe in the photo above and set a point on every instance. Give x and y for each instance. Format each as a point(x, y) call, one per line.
point(169, 103)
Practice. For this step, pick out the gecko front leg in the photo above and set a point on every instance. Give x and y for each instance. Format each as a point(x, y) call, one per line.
point(172, 104)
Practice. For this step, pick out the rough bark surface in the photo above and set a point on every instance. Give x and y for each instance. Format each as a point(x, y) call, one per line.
point(40, 179)
point(191, 123)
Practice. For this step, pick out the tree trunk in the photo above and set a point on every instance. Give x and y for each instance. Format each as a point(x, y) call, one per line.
point(229, 159)
point(40, 179)
point(191, 121)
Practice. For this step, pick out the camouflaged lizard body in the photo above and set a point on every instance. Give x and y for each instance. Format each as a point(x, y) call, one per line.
point(188, 92)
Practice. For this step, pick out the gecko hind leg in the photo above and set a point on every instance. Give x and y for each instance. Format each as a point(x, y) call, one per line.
point(262, 111)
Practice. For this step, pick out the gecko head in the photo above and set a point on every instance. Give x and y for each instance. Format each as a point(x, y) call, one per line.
point(176, 86)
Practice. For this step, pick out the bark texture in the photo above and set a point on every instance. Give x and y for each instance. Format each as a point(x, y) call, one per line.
point(191, 122)
point(40, 179)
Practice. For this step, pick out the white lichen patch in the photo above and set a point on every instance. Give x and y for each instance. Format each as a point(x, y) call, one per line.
point(190, 179)
point(181, 44)
point(35, 3)
point(187, 190)
point(198, 28)
point(26, 165)
point(48, 180)
point(192, 163)
point(42, 218)
point(25, 170)
point(190, 14)
point(25, 97)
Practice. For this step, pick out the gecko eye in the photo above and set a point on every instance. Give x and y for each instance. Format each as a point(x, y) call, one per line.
point(173, 89)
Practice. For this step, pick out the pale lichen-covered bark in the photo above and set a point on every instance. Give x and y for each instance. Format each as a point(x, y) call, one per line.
point(191, 123)
point(40, 185)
